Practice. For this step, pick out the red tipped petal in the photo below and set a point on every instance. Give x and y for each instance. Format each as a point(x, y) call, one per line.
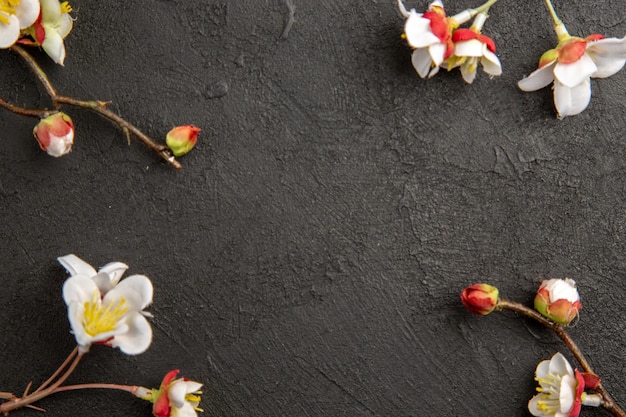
point(463, 34)
point(438, 25)
point(491, 45)
point(594, 37)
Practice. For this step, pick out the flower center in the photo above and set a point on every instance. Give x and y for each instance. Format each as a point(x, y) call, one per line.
point(100, 319)
point(7, 8)
point(550, 388)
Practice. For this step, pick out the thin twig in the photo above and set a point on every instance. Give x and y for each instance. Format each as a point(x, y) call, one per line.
point(608, 403)
point(94, 105)
point(16, 403)
point(23, 111)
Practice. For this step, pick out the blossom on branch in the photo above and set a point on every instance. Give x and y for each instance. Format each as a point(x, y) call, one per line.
point(104, 310)
point(480, 298)
point(561, 389)
point(16, 15)
point(55, 134)
point(176, 397)
point(558, 300)
point(182, 139)
point(52, 27)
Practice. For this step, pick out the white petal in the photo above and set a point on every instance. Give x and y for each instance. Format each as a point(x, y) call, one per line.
point(467, 73)
point(417, 31)
point(27, 12)
point(192, 386)
point(542, 369)
point(533, 407)
point(75, 314)
point(567, 393)
point(50, 11)
point(472, 47)
point(421, 61)
point(186, 410)
point(571, 101)
point(136, 290)
point(575, 73)
point(491, 63)
point(433, 72)
point(607, 64)
point(562, 289)
point(176, 393)
point(64, 25)
point(560, 366)
point(76, 266)
point(138, 337)
point(538, 78)
point(614, 47)
point(437, 52)
point(103, 281)
point(115, 270)
point(9, 33)
point(53, 45)
point(79, 289)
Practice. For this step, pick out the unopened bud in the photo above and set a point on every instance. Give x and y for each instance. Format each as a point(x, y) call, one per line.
point(55, 134)
point(182, 139)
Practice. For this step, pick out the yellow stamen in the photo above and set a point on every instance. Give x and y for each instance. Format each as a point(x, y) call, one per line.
point(7, 8)
point(66, 7)
point(100, 319)
point(192, 398)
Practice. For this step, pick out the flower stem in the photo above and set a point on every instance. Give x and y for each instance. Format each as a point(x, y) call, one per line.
point(27, 400)
point(133, 389)
point(58, 371)
point(484, 8)
point(559, 27)
point(94, 105)
point(607, 401)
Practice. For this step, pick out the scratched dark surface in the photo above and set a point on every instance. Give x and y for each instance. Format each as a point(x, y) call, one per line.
point(308, 259)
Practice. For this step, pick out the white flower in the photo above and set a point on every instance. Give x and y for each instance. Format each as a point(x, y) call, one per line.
point(471, 48)
point(571, 65)
point(16, 15)
point(430, 34)
point(176, 398)
point(54, 26)
point(560, 389)
point(102, 309)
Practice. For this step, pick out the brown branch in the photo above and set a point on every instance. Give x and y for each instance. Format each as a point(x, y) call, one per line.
point(94, 105)
point(607, 401)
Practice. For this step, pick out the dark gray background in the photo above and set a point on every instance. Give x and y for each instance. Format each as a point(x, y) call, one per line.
point(308, 259)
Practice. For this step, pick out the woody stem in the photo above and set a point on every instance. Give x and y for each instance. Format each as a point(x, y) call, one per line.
point(607, 401)
point(27, 400)
point(93, 105)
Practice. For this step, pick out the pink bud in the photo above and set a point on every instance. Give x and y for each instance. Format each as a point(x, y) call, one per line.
point(55, 134)
point(480, 298)
point(558, 300)
point(182, 139)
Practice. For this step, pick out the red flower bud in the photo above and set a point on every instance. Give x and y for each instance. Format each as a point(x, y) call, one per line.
point(558, 300)
point(182, 139)
point(55, 134)
point(480, 298)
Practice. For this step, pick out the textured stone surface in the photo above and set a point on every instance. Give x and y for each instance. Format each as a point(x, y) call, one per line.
point(308, 259)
